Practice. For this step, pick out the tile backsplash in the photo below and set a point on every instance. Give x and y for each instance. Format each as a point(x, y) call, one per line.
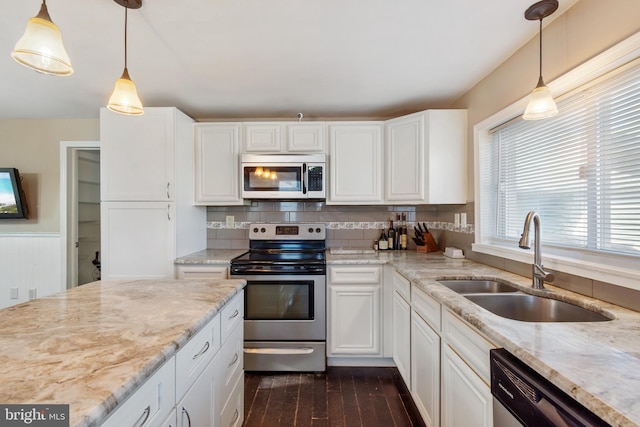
point(347, 226)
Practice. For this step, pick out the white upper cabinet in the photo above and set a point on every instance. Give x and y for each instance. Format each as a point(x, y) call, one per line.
point(355, 163)
point(137, 155)
point(426, 159)
point(217, 170)
point(283, 137)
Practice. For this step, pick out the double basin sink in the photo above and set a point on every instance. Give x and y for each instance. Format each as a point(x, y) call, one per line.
point(507, 301)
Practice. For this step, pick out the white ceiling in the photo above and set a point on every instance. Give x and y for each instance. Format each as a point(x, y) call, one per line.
point(266, 59)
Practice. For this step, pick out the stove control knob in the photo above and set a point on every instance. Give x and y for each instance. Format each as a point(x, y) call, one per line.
point(318, 230)
point(263, 230)
point(310, 230)
point(255, 229)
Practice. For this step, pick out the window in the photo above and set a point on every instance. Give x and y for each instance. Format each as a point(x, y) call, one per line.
point(580, 170)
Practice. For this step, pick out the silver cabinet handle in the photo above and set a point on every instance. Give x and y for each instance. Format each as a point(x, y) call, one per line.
point(185, 412)
point(169, 212)
point(236, 415)
point(143, 418)
point(205, 348)
point(235, 359)
point(168, 195)
point(235, 314)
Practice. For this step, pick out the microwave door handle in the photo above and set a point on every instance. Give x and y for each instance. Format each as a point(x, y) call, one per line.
point(304, 178)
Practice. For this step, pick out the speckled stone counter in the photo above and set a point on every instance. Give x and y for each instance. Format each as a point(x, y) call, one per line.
point(92, 346)
point(210, 256)
point(596, 363)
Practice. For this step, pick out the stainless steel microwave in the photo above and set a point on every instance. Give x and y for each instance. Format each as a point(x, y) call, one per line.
point(284, 176)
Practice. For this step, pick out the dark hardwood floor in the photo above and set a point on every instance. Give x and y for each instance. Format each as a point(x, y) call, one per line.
point(342, 396)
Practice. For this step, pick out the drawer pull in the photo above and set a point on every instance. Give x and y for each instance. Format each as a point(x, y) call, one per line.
point(235, 359)
point(143, 418)
point(205, 348)
point(185, 412)
point(304, 350)
point(236, 415)
point(235, 314)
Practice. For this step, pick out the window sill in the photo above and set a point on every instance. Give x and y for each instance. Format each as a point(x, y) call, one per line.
point(616, 270)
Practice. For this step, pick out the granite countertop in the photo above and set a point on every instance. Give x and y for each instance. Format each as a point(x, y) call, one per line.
point(92, 346)
point(597, 363)
point(210, 256)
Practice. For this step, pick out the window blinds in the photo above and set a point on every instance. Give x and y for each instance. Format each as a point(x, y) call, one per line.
point(580, 170)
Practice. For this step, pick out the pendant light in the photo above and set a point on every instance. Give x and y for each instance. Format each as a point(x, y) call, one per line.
point(124, 98)
point(541, 104)
point(40, 47)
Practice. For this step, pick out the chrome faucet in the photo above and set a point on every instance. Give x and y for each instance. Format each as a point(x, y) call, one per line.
point(538, 273)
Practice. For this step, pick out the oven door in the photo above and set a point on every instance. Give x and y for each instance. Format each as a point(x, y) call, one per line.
point(273, 181)
point(284, 308)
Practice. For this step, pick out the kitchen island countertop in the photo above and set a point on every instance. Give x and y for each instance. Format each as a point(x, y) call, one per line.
point(92, 346)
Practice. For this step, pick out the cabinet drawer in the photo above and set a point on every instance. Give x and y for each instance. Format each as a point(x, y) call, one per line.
point(192, 359)
point(472, 347)
point(231, 315)
point(356, 274)
point(402, 285)
point(151, 403)
point(202, 272)
point(428, 308)
point(230, 363)
point(232, 415)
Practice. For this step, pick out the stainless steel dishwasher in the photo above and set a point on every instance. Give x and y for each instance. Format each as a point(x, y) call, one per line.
point(522, 397)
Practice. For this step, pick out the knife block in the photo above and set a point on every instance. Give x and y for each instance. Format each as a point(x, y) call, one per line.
point(430, 244)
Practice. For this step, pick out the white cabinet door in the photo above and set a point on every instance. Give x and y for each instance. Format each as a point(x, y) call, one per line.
point(426, 158)
point(405, 166)
point(217, 164)
point(425, 370)
point(465, 396)
point(355, 163)
point(208, 271)
point(138, 240)
point(355, 320)
point(197, 408)
point(137, 155)
point(402, 336)
point(306, 138)
point(262, 137)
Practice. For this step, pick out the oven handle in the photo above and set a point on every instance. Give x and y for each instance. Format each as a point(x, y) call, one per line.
point(267, 350)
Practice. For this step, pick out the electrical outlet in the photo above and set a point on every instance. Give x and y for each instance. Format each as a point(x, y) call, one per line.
point(230, 221)
point(33, 293)
point(463, 219)
point(456, 220)
point(13, 292)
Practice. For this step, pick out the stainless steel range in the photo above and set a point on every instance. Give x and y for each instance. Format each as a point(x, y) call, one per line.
point(285, 270)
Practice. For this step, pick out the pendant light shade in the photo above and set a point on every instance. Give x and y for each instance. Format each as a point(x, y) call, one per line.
point(124, 98)
point(41, 48)
point(541, 104)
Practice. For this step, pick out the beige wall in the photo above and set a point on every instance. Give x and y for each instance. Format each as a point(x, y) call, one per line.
point(585, 30)
point(33, 147)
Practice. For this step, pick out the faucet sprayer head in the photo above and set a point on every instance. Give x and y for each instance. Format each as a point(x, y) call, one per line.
point(524, 238)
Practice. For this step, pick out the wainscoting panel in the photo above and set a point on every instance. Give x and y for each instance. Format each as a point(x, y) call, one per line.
point(29, 266)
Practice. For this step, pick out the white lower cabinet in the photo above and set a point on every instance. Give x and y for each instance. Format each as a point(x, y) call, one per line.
point(425, 370)
point(355, 311)
point(151, 404)
point(401, 326)
point(465, 396)
point(201, 386)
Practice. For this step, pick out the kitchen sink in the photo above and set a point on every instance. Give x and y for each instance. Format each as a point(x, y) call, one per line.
point(532, 308)
point(477, 286)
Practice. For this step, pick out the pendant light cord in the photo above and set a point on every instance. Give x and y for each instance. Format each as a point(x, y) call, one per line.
point(540, 48)
point(125, 37)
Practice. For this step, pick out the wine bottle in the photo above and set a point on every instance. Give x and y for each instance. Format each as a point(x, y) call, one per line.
point(391, 235)
point(383, 243)
point(403, 232)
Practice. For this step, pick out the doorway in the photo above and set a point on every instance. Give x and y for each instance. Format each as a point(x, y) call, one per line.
point(80, 212)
